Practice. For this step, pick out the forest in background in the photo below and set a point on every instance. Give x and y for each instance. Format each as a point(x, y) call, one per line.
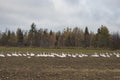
point(75, 37)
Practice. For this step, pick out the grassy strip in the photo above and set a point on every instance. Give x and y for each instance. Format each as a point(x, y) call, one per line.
point(56, 50)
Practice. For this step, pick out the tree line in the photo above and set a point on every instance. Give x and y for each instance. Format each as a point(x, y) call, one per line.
point(75, 37)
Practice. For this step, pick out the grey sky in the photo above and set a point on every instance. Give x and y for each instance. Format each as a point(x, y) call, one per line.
point(58, 14)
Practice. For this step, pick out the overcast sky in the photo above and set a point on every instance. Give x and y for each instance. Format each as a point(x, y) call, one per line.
point(58, 14)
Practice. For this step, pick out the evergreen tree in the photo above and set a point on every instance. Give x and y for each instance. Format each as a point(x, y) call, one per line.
point(115, 41)
point(9, 37)
point(102, 37)
point(4, 40)
point(13, 40)
point(58, 37)
point(32, 34)
point(86, 38)
point(20, 37)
